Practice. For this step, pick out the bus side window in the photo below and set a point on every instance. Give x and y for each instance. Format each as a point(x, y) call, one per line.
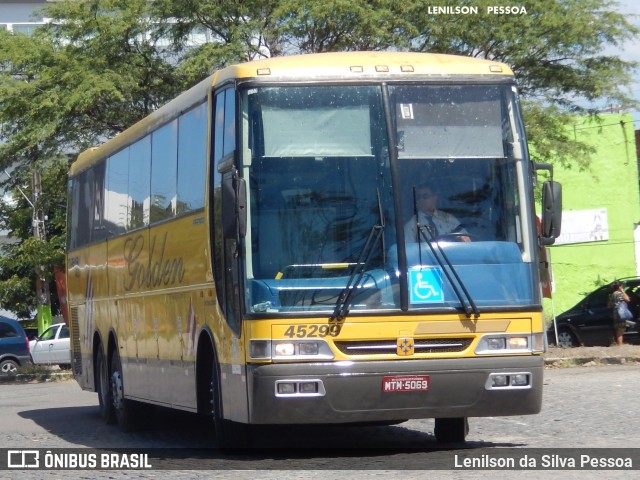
point(192, 146)
point(164, 172)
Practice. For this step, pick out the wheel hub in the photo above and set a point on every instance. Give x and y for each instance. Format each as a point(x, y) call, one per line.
point(116, 390)
point(8, 368)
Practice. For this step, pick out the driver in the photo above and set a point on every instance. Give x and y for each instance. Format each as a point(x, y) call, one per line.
point(438, 222)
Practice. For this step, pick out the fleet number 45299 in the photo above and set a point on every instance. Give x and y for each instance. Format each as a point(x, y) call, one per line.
point(313, 331)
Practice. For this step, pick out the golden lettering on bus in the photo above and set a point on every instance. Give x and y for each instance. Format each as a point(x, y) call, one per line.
point(152, 270)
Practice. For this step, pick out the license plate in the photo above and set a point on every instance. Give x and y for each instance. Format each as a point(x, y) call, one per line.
point(405, 383)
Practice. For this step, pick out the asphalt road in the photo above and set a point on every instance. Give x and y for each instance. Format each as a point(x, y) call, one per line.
point(581, 409)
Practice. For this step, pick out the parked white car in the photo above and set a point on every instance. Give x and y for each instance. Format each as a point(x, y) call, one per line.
point(52, 347)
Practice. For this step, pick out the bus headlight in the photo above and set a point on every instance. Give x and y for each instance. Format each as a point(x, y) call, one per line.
point(496, 343)
point(284, 349)
point(518, 343)
point(509, 343)
point(290, 350)
point(260, 349)
point(308, 348)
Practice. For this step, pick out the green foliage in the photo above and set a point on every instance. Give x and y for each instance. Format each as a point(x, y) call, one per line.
point(80, 79)
point(557, 50)
point(558, 54)
point(17, 295)
point(19, 260)
point(308, 26)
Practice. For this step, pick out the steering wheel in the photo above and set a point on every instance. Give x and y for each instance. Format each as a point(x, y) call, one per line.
point(456, 237)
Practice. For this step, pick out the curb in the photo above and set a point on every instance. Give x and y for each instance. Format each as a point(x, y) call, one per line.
point(590, 361)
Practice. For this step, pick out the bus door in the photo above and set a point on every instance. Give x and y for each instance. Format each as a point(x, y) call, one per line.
point(228, 198)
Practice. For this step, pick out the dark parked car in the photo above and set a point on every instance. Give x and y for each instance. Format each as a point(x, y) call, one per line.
point(590, 323)
point(14, 346)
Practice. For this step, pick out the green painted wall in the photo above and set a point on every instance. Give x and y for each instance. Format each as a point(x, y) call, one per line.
point(611, 183)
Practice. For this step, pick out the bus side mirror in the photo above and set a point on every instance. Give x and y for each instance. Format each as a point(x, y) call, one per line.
point(234, 206)
point(551, 212)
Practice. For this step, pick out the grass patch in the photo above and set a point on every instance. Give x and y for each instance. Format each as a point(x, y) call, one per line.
point(38, 373)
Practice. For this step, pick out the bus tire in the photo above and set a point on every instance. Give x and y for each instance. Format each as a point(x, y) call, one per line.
point(451, 430)
point(124, 409)
point(232, 436)
point(103, 387)
point(229, 435)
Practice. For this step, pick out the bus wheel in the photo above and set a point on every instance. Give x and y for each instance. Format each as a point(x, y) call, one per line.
point(451, 430)
point(103, 387)
point(229, 435)
point(123, 408)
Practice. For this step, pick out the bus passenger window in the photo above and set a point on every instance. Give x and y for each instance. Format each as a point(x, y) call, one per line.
point(192, 148)
point(164, 170)
point(117, 185)
point(139, 183)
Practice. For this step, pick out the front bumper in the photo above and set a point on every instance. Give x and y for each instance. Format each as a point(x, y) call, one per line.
point(351, 392)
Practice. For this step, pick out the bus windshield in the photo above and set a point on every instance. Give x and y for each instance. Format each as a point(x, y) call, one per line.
point(433, 166)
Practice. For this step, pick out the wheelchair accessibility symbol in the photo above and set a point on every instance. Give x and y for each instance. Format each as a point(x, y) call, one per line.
point(426, 285)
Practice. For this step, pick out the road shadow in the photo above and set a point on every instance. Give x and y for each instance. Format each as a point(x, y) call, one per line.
point(181, 440)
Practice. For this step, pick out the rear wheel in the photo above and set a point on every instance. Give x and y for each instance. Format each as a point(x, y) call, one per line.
point(125, 410)
point(451, 430)
point(103, 387)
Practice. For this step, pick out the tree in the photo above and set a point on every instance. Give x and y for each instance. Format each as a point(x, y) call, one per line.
point(19, 259)
point(85, 77)
point(101, 65)
point(557, 49)
point(558, 53)
point(308, 26)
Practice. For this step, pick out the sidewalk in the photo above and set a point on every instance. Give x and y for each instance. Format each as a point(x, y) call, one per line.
point(589, 356)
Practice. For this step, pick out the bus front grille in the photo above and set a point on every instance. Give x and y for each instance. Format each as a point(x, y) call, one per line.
point(390, 347)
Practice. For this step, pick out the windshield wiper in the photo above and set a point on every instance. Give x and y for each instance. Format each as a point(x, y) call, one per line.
point(442, 259)
point(346, 295)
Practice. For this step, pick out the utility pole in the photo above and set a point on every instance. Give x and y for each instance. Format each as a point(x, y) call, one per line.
point(43, 297)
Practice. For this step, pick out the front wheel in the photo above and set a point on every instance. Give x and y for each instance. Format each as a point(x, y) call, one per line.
point(9, 366)
point(451, 430)
point(229, 435)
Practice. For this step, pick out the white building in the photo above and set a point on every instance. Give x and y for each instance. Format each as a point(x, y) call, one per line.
point(21, 15)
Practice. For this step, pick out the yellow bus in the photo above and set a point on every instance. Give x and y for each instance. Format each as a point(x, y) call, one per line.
point(337, 238)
